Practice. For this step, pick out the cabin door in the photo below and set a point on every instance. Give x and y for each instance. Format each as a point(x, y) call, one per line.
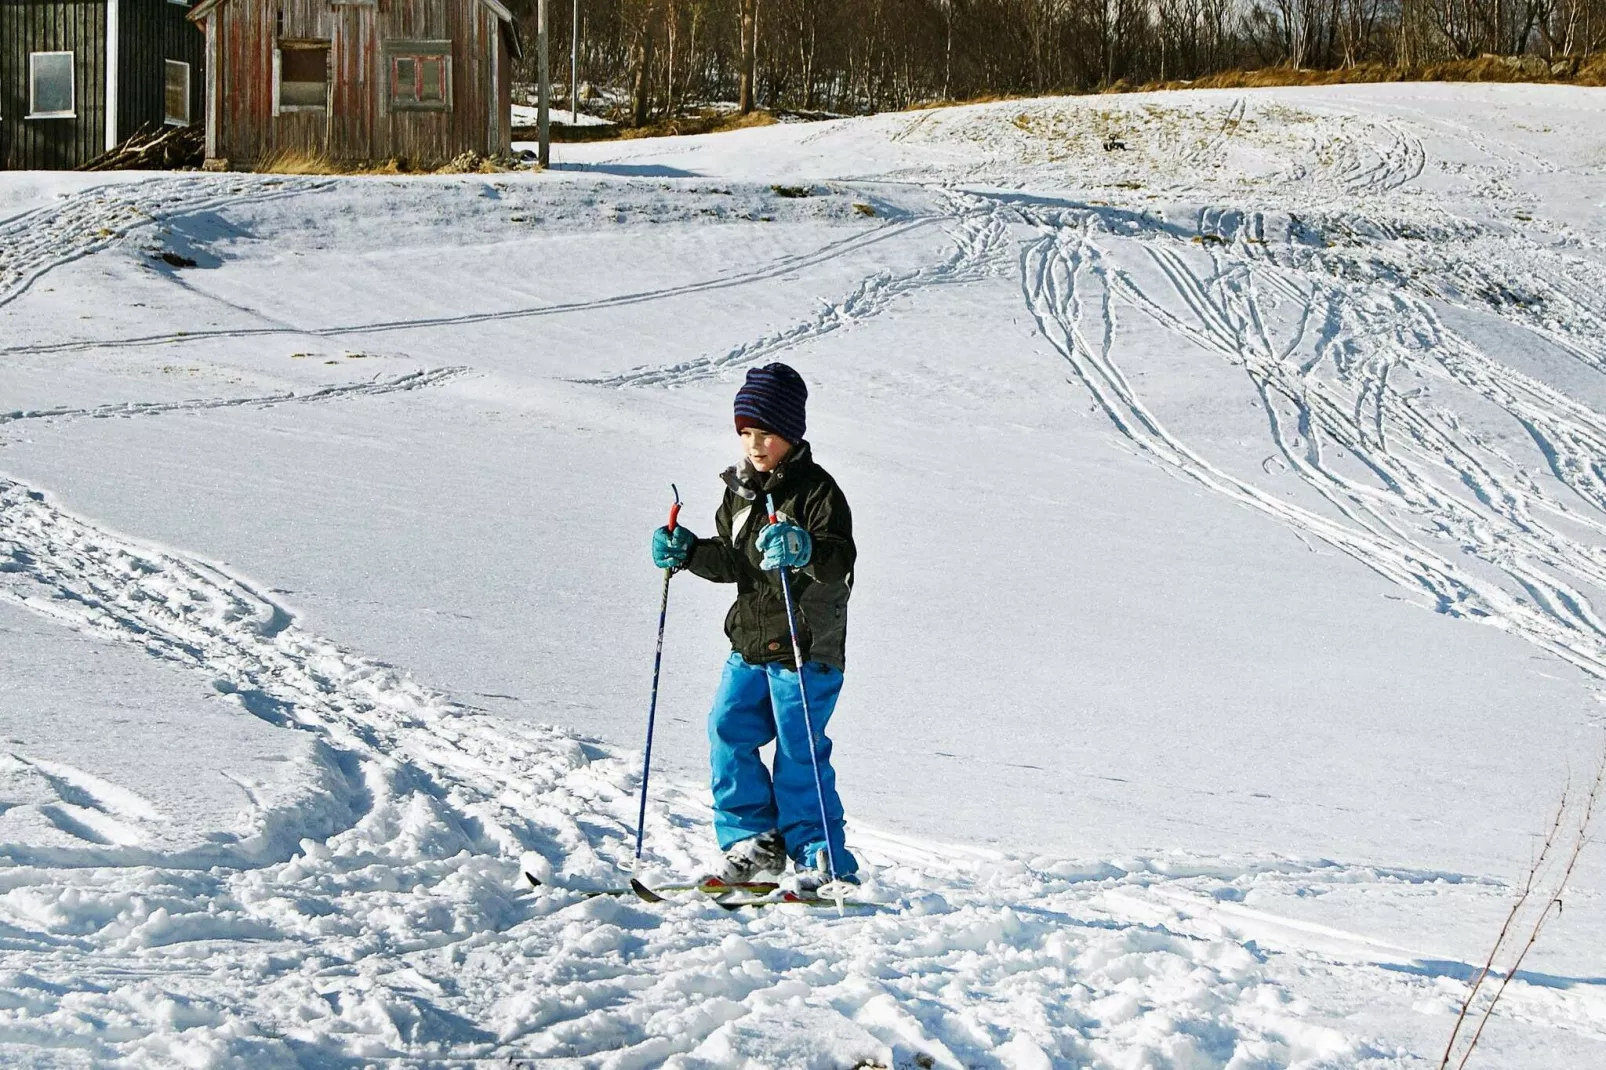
point(355, 52)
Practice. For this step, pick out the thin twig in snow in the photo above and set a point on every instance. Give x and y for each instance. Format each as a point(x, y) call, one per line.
point(1553, 901)
point(1511, 918)
point(1579, 840)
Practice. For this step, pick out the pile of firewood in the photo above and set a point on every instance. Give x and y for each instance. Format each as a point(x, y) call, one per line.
point(155, 148)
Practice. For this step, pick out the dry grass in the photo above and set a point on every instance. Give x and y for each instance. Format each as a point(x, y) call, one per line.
point(704, 122)
point(303, 162)
point(701, 121)
point(1576, 70)
point(471, 163)
point(299, 162)
point(981, 98)
point(1590, 70)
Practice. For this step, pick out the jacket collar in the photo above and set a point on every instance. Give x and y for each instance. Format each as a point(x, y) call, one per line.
point(748, 482)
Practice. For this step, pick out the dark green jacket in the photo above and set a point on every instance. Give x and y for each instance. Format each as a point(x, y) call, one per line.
point(806, 495)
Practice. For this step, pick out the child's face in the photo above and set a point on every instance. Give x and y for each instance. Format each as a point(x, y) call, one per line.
point(764, 449)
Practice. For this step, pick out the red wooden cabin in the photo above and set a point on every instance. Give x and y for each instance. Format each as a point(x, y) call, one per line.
point(356, 81)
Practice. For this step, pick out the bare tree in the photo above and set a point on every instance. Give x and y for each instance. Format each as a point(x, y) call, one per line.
point(661, 56)
point(641, 90)
point(749, 28)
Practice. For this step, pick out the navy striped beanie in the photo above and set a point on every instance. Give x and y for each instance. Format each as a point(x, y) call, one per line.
point(772, 400)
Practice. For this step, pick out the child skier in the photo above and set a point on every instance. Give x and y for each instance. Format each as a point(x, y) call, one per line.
point(762, 817)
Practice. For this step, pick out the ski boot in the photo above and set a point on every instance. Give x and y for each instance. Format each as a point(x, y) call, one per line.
point(749, 862)
point(815, 882)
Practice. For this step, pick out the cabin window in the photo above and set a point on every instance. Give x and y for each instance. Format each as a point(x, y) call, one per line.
point(301, 69)
point(177, 107)
point(420, 75)
point(50, 85)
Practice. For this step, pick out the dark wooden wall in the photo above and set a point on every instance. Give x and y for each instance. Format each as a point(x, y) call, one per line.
point(153, 32)
point(77, 26)
point(359, 124)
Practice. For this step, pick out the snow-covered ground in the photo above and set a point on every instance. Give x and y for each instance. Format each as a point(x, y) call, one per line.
point(559, 114)
point(1229, 472)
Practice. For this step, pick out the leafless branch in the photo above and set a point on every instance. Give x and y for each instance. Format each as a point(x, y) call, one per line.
point(1577, 837)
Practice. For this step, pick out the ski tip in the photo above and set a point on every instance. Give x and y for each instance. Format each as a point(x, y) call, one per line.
point(644, 893)
point(535, 882)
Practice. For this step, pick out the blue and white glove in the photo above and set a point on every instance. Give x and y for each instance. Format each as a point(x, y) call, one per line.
point(672, 549)
point(785, 545)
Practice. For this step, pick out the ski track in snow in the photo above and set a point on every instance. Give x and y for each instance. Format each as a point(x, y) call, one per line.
point(772, 270)
point(367, 388)
point(1362, 293)
point(981, 242)
point(1414, 494)
point(85, 222)
point(384, 915)
point(381, 914)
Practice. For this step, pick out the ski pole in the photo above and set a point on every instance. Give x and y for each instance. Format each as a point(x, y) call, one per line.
point(652, 707)
point(808, 721)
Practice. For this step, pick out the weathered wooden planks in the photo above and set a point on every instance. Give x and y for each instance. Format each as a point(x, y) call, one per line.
point(363, 118)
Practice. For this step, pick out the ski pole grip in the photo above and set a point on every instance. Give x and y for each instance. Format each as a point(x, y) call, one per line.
point(674, 510)
point(769, 501)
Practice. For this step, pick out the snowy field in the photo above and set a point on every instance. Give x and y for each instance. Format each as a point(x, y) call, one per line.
point(1229, 472)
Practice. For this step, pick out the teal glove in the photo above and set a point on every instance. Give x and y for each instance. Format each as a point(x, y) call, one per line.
point(785, 545)
point(672, 549)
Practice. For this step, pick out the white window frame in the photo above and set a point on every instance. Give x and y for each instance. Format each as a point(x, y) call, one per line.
point(189, 86)
point(72, 86)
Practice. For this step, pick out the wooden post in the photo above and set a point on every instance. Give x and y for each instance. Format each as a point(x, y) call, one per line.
point(214, 98)
point(749, 62)
point(543, 115)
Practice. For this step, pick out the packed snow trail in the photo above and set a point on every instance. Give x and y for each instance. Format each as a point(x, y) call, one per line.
point(1320, 353)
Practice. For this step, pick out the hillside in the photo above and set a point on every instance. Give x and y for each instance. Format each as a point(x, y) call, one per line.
point(1229, 476)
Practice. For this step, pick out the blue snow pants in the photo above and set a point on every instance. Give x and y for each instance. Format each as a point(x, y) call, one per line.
point(756, 704)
